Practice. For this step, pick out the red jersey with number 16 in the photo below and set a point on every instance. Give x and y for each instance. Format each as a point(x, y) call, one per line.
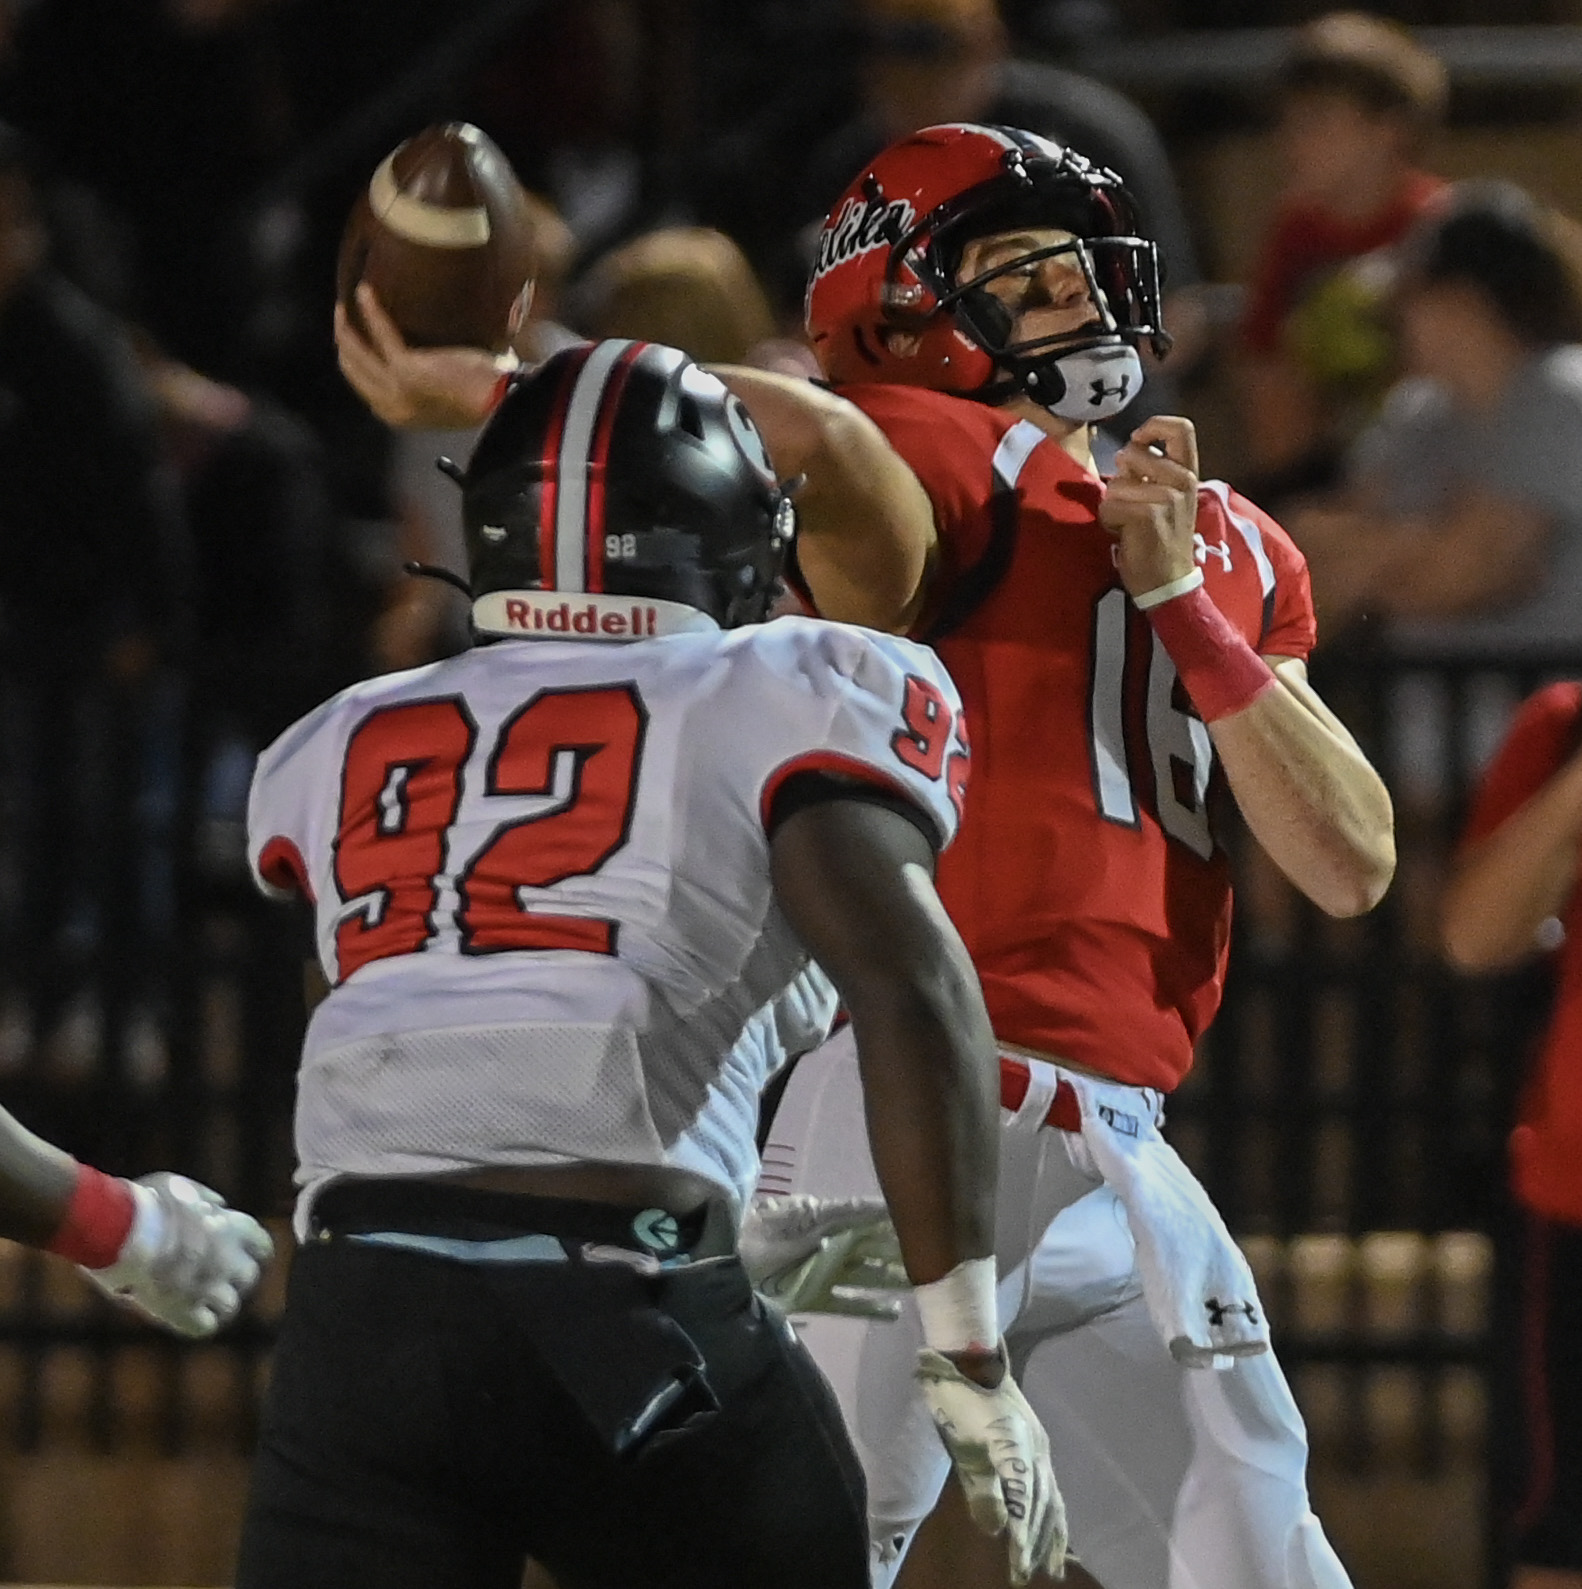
point(1086, 881)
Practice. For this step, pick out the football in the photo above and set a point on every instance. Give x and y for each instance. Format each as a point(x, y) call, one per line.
point(445, 235)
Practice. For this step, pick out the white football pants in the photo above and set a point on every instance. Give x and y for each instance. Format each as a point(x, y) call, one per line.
point(1174, 1478)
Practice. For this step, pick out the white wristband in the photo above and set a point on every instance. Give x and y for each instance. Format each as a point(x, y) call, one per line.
point(1164, 593)
point(958, 1311)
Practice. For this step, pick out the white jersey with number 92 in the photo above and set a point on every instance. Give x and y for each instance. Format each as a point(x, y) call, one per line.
point(540, 877)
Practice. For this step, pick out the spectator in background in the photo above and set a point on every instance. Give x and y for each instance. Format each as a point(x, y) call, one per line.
point(93, 603)
point(927, 62)
point(171, 112)
point(563, 96)
point(1514, 883)
point(686, 286)
point(1462, 520)
point(262, 530)
point(1358, 98)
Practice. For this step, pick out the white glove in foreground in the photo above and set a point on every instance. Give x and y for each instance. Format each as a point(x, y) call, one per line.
point(188, 1260)
point(823, 1254)
point(1001, 1455)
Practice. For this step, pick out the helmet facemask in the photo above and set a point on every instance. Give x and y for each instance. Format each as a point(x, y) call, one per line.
point(1085, 374)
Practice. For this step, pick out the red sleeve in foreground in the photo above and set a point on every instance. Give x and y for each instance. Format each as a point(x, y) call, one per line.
point(1543, 734)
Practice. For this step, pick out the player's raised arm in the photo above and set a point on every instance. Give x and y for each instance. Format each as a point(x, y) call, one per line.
point(865, 526)
point(1308, 793)
point(856, 882)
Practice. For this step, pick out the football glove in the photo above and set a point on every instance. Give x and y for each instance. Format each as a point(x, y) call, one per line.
point(188, 1260)
point(1001, 1456)
point(823, 1255)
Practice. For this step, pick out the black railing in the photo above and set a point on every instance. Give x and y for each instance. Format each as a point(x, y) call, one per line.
point(1348, 1112)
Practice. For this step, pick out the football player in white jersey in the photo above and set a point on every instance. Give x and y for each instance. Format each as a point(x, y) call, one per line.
point(165, 1246)
point(567, 889)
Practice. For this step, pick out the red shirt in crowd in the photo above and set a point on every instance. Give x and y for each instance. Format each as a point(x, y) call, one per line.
point(1546, 1148)
point(1305, 243)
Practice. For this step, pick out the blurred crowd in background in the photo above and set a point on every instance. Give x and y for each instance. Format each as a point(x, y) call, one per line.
point(197, 517)
point(202, 531)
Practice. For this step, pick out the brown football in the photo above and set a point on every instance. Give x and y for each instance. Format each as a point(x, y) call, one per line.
point(444, 233)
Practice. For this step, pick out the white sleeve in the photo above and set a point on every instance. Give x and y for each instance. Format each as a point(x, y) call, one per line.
point(872, 708)
point(279, 828)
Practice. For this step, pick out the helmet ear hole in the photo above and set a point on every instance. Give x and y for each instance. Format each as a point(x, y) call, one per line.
point(690, 417)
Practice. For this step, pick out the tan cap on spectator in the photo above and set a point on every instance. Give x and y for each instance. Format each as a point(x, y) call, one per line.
point(1375, 61)
point(686, 286)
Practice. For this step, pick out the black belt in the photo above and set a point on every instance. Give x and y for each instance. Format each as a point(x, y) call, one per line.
point(420, 1207)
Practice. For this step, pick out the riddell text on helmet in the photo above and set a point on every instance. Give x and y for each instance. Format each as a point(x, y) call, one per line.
point(529, 616)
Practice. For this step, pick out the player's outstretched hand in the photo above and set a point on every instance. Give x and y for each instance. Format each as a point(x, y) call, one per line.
point(412, 388)
point(189, 1260)
point(1001, 1456)
point(824, 1255)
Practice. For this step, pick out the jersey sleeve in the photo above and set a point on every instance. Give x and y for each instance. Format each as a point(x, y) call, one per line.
point(949, 444)
point(1290, 626)
point(868, 708)
point(279, 836)
point(1543, 734)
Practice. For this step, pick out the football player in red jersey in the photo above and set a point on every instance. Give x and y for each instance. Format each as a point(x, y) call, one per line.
point(1516, 873)
point(1126, 651)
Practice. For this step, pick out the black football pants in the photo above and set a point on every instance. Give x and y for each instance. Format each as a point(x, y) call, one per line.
point(430, 1423)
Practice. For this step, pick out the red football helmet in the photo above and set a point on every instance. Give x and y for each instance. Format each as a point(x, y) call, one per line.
point(889, 251)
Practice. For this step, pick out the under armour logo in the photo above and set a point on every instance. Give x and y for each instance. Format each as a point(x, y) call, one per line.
point(1217, 1311)
point(1203, 551)
point(1099, 389)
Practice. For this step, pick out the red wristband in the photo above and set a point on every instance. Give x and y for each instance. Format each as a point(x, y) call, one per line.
point(98, 1217)
point(1221, 672)
point(501, 387)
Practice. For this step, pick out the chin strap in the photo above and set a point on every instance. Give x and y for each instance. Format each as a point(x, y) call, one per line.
point(1088, 386)
point(433, 571)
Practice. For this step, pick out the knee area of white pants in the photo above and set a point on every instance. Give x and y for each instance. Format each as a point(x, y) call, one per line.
point(1311, 1562)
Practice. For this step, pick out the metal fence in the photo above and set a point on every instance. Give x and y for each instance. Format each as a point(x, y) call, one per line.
point(1348, 1112)
point(1351, 1104)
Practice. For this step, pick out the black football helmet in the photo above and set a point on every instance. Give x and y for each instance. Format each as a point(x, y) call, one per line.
point(622, 469)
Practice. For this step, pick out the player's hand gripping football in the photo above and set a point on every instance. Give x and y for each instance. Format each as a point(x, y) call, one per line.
point(824, 1255)
point(412, 388)
point(1150, 505)
point(189, 1260)
point(1001, 1456)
